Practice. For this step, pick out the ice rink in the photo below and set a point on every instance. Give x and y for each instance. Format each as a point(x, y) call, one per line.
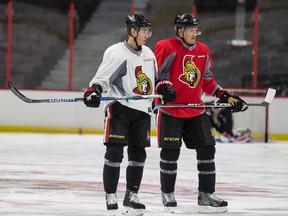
point(61, 175)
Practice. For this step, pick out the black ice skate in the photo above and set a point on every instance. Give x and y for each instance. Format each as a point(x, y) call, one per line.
point(169, 202)
point(209, 203)
point(111, 203)
point(132, 204)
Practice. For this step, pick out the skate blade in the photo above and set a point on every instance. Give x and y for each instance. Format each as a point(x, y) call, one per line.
point(211, 210)
point(169, 209)
point(133, 212)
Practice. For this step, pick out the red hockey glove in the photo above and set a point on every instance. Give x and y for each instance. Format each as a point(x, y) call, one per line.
point(237, 104)
point(92, 96)
point(166, 89)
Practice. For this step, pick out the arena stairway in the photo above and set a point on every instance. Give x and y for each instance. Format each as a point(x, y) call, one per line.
point(105, 28)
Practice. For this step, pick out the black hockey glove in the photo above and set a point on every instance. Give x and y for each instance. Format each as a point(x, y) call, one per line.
point(166, 89)
point(237, 104)
point(92, 96)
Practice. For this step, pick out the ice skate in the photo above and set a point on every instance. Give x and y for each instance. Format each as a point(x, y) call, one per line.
point(132, 204)
point(111, 203)
point(169, 202)
point(209, 203)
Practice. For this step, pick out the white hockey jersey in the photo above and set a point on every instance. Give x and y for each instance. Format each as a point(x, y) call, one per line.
point(126, 72)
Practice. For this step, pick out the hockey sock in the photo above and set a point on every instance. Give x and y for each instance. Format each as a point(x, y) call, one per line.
point(110, 177)
point(206, 169)
point(168, 169)
point(134, 171)
point(111, 170)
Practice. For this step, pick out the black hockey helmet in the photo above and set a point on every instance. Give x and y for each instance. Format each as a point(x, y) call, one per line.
point(185, 20)
point(136, 21)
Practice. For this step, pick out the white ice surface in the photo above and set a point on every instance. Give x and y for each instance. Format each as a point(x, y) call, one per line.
point(53, 175)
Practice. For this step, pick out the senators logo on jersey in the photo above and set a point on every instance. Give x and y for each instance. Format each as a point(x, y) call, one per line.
point(191, 74)
point(144, 84)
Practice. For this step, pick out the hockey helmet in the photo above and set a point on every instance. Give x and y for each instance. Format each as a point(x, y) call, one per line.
point(136, 21)
point(185, 20)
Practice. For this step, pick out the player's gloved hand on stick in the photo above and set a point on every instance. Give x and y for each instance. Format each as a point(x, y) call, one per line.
point(166, 89)
point(92, 95)
point(237, 104)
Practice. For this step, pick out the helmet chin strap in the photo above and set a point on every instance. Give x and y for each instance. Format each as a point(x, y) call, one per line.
point(136, 43)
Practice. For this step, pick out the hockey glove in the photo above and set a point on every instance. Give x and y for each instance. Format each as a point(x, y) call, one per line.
point(237, 104)
point(166, 89)
point(92, 96)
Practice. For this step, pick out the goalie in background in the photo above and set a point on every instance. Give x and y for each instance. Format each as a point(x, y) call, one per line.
point(222, 121)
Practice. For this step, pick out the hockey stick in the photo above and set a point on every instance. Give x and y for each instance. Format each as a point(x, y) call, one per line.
point(268, 99)
point(57, 100)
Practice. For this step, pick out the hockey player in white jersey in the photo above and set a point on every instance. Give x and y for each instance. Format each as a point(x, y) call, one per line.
point(128, 69)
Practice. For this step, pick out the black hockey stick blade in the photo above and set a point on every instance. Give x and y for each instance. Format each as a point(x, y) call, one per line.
point(57, 100)
point(268, 99)
point(29, 100)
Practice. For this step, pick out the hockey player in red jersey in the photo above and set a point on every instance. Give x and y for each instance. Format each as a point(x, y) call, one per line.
point(128, 69)
point(186, 64)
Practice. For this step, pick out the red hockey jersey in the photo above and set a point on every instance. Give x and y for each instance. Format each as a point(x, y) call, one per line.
point(189, 69)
